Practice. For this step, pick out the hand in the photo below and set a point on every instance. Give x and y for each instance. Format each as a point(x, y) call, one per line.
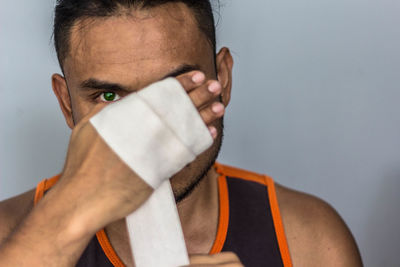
point(203, 94)
point(226, 259)
point(95, 189)
point(91, 166)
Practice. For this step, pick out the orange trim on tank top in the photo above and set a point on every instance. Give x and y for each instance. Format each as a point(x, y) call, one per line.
point(223, 220)
point(43, 186)
point(108, 249)
point(105, 243)
point(279, 230)
point(273, 203)
point(101, 236)
point(221, 232)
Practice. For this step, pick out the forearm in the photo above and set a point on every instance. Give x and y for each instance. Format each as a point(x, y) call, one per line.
point(97, 187)
point(60, 226)
point(48, 236)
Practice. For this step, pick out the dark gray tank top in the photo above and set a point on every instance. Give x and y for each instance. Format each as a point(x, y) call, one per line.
point(249, 224)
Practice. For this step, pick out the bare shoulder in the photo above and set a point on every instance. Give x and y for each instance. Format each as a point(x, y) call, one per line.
point(316, 234)
point(13, 210)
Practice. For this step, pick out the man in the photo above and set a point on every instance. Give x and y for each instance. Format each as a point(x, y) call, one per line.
point(107, 50)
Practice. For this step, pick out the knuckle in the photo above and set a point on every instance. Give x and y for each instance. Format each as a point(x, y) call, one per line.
point(199, 100)
point(184, 81)
point(195, 97)
point(228, 254)
point(231, 256)
point(214, 86)
point(207, 115)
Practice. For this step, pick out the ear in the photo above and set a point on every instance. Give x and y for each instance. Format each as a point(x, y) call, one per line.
point(60, 89)
point(224, 63)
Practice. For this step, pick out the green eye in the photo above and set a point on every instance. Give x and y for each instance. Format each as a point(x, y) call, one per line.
point(109, 97)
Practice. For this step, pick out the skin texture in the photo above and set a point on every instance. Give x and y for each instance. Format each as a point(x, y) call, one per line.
point(140, 57)
point(133, 50)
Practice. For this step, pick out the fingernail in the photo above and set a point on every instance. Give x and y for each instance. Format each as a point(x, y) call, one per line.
point(198, 77)
point(214, 87)
point(213, 131)
point(217, 107)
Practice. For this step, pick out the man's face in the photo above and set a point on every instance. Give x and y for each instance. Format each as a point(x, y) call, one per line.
point(112, 57)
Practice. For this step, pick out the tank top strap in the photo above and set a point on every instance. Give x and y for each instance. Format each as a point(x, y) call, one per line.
point(248, 213)
point(43, 186)
point(254, 228)
point(99, 252)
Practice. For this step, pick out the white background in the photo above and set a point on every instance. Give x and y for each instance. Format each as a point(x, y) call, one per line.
point(315, 104)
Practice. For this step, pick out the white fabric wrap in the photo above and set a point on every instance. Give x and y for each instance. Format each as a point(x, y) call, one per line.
point(156, 132)
point(155, 231)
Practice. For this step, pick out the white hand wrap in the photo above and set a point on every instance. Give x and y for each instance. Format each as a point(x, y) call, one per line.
point(156, 132)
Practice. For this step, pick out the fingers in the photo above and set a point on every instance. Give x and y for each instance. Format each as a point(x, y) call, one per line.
point(212, 112)
point(200, 90)
point(191, 80)
point(221, 259)
point(205, 93)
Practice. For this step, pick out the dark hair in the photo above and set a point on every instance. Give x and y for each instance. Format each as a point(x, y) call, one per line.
point(67, 12)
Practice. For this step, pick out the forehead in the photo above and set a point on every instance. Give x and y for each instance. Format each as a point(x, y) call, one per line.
point(143, 43)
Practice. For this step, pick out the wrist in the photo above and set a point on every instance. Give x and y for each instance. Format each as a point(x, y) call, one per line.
point(59, 216)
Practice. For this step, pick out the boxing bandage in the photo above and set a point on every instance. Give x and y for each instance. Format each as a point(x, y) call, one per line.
point(156, 132)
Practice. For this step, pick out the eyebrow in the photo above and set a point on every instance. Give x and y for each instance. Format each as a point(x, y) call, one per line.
point(103, 85)
point(93, 83)
point(181, 70)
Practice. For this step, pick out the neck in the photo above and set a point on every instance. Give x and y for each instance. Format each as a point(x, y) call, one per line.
point(199, 233)
point(202, 203)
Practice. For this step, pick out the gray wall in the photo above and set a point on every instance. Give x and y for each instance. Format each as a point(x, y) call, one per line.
point(315, 104)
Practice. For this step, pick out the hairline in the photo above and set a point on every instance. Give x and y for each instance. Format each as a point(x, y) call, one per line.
point(66, 51)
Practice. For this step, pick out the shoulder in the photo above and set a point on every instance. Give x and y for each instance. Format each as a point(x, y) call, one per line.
point(316, 234)
point(13, 210)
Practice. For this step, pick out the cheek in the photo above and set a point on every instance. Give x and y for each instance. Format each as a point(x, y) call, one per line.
point(81, 108)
